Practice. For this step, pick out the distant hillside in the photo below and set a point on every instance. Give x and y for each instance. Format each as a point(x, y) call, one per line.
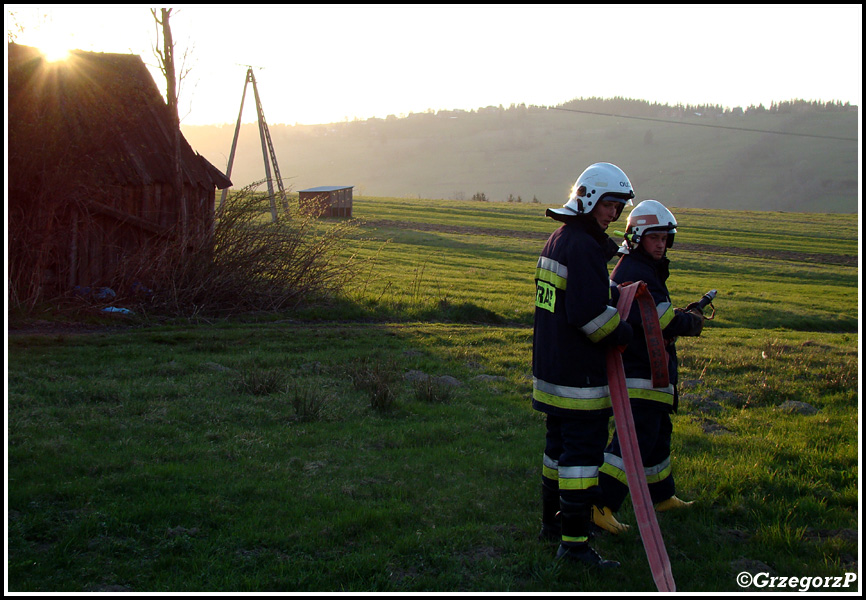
point(683, 156)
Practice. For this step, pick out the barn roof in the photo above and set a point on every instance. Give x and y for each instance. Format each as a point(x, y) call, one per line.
point(105, 107)
point(328, 188)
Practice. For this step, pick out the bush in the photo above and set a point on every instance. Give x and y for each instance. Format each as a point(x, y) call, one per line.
point(248, 263)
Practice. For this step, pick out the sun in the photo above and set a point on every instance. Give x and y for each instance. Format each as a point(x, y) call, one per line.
point(54, 51)
point(53, 43)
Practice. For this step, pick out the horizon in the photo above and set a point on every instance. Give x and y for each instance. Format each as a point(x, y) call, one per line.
point(476, 110)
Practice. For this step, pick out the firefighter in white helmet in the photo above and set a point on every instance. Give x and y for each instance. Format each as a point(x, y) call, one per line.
point(574, 324)
point(649, 233)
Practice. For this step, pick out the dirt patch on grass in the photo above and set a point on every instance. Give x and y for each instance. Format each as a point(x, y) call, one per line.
point(60, 328)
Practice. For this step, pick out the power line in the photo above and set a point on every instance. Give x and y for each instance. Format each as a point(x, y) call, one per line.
point(810, 135)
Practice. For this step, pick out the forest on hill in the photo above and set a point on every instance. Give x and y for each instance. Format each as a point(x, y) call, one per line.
point(796, 156)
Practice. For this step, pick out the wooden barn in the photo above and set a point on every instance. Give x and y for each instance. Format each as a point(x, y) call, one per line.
point(91, 171)
point(332, 200)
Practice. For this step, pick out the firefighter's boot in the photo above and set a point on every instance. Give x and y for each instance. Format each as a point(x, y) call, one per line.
point(551, 530)
point(603, 517)
point(584, 553)
point(575, 518)
point(672, 503)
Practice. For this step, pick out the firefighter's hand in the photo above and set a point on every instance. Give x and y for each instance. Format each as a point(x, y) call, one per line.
point(620, 336)
point(695, 308)
point(696, 320)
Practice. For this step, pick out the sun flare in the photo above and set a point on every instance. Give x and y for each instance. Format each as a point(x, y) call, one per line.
point(54, 52)
point(51, 42)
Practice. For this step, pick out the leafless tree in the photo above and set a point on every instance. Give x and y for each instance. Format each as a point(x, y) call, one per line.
point(167, 64)
point(13, 27)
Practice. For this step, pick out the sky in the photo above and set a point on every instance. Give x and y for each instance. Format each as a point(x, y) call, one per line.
point(331, 63)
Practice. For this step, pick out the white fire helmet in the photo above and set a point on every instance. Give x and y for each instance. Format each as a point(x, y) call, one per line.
point(597, 182)
point(647, 217)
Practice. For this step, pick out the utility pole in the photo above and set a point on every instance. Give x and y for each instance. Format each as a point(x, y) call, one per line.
point(268, 153)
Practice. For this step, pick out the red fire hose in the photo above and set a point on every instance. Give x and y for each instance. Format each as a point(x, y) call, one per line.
point(650, 534)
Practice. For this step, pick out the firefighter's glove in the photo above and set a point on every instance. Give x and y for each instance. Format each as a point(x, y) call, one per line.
point(695, 308)
point(695, 320)
point(620, 336)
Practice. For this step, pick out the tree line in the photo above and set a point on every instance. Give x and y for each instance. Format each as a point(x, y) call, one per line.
point(643, 108)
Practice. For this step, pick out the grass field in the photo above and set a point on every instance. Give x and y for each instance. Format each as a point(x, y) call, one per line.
point(307, 452)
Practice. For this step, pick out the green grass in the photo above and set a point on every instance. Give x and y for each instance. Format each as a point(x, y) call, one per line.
point(420, 269)
point(242, 455)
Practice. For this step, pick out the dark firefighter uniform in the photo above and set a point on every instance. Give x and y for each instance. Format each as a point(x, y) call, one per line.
point(574, 322)
point(651, 406)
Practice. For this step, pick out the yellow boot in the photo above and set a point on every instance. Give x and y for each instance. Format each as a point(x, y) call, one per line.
point(671, 503)
point(603, 517)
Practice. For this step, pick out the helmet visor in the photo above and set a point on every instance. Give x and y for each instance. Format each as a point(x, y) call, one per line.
point(625, 199)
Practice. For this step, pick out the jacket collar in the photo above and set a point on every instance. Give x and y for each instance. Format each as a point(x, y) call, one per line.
point(661, 266)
